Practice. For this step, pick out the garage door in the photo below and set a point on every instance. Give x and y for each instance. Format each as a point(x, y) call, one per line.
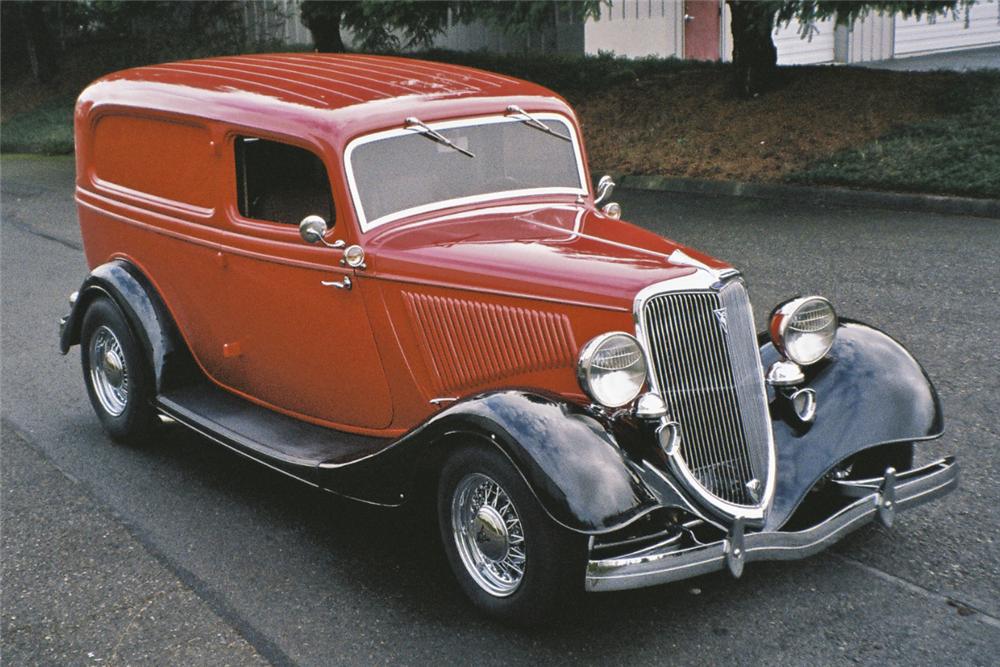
point(971, 26)
point(794, 50)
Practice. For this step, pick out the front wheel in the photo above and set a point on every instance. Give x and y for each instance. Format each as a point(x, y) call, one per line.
point(510, 558)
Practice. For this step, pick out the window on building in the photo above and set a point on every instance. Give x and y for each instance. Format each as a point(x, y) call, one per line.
point(280, 183)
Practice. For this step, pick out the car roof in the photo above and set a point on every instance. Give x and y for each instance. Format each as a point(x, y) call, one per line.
point(356, 90)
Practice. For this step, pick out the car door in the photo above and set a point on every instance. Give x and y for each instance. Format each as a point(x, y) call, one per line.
point(299, 339)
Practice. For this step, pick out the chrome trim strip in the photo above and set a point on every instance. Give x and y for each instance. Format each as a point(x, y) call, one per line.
point(649, 569)
point(704, 279)
point(368, 225)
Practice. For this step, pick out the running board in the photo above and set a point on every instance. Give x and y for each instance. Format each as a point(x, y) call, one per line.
point(288, 445)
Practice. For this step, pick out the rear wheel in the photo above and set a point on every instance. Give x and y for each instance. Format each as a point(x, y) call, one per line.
point(117, 375)
point(510, 558)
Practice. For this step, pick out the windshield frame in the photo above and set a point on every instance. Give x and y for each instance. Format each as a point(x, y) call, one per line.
point(368, 225)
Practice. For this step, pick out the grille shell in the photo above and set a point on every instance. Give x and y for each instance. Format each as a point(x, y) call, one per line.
point(705, 363)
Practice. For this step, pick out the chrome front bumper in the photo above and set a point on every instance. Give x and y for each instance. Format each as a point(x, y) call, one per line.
point(878, 498)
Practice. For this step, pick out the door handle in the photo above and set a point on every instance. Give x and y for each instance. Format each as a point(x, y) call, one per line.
point(342, 284)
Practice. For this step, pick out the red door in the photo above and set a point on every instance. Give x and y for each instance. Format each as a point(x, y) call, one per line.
point(296, 341)
point(702, 29)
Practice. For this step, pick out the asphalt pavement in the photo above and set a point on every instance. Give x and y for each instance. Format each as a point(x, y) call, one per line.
point(182, 553)
point(959, 61)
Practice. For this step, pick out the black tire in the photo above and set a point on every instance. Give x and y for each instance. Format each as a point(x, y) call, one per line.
point(132, 420)
point(554, 557)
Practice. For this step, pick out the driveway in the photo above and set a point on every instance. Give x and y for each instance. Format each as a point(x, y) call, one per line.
point(181, 552)
point(960, 61)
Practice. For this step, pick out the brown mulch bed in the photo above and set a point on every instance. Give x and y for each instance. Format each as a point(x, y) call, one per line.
point(688, 124)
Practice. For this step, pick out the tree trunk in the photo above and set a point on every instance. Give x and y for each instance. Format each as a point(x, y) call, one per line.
point(326, 34)
point(755, 58)
point(38, 43)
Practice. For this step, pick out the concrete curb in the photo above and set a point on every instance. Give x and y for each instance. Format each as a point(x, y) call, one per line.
point(830, 196)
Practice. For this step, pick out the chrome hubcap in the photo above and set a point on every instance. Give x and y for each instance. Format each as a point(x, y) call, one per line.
point(108, 372)
point(488, 534)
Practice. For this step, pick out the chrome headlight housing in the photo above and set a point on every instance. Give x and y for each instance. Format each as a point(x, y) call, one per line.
point(804, 329)
point(612, 369)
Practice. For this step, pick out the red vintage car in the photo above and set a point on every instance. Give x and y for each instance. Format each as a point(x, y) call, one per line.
point(382, 276)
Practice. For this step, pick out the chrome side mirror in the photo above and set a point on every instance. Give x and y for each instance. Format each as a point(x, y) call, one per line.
point(604, 188)
point(313, 229)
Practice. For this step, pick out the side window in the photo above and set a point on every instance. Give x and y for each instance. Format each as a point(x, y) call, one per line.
point(280, 183)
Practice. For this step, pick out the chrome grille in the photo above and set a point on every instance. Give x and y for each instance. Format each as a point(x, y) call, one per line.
point(706, 365)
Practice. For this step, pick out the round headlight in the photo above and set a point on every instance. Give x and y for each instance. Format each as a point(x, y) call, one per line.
point(612, 369)
point(803, 329)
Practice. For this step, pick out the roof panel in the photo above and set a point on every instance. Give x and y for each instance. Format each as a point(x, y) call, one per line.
point(296, 91)
point(338, 80)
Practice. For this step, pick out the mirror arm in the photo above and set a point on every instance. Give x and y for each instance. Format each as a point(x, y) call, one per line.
point(604, 188)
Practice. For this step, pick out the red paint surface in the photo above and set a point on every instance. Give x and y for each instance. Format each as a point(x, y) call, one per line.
point(457, 301)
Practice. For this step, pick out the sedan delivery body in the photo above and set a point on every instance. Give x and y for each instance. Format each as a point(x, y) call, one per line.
point(380, 275)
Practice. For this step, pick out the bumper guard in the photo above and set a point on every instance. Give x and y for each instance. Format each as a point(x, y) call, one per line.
point(877, 498)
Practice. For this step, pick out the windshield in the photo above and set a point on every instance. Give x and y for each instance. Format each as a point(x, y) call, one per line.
point(406, 171)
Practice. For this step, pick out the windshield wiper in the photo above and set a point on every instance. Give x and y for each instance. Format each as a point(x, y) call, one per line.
point(413, 123)
point(531, 121)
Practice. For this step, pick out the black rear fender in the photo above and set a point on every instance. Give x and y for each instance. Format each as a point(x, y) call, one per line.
point(142, 308)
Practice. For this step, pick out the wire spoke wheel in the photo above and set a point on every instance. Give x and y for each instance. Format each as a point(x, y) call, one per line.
point(488, 534)
point(108, 371)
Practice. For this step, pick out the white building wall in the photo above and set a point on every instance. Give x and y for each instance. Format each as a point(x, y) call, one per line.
point(279, 20)
point(969, 27)
point(637, 28)
point(815, 48)
point(870, 38)
point(727, 33)
point(476, 36)
point(566, 36)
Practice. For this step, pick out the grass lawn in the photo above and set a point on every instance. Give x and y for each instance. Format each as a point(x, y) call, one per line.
point(46, 129)
point(955, 154)
point(935, 132)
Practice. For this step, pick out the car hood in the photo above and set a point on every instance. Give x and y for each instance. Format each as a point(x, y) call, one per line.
point(556, 252)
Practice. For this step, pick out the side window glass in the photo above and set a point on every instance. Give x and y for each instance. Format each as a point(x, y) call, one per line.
point(280, 183)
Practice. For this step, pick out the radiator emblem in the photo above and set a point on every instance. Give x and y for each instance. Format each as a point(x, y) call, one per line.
point(720, 314)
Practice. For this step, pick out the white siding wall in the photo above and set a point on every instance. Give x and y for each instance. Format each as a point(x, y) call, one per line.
point(637, 28)
point(814, 49)
point(475, 36)
point(275, 20)
point(565, 37)
point(972, 26)
point(870, 38)
point(727, 33)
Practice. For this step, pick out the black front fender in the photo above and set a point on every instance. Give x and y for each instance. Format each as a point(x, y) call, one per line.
point(869, 391)
point(569, 458)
